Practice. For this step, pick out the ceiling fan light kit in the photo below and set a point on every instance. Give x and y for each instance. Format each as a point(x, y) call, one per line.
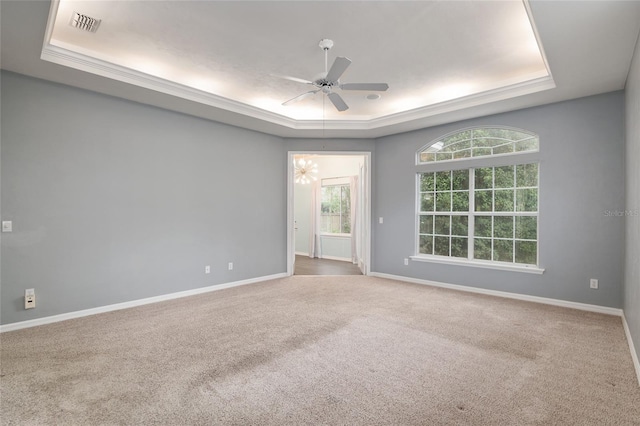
point(327, 81)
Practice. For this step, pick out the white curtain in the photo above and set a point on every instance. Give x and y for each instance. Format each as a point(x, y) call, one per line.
point(355, 216)
point(315, 245)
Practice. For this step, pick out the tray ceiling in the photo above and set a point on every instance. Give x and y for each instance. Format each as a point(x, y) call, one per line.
point(228, 54)
point(443, 60)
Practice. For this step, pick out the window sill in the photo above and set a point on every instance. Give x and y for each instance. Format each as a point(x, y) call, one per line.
point(478, 264)
point(327, 234)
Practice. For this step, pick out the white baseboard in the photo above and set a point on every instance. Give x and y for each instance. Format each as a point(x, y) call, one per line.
point(342, 259)
point(632, 348)
point(133, 303)
point(536, 299)
point(301, 253)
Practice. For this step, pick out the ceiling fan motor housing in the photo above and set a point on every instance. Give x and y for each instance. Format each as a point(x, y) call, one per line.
point(320, 81)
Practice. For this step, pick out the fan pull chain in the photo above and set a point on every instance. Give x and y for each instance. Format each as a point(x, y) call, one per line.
point(324, 139)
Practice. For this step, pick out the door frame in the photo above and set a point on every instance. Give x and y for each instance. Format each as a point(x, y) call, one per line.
point(366, 238)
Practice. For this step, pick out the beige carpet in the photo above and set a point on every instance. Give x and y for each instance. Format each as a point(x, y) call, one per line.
point(324, 350)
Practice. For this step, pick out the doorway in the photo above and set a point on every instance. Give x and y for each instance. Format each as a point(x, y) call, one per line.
point(329, 212)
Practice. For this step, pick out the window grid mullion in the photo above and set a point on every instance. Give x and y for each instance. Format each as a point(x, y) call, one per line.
point(450, 210)
point(494, 234)
point(472, 206)
point(341, 206)
point(513, 219)
point(493, 208)
point(339, 191)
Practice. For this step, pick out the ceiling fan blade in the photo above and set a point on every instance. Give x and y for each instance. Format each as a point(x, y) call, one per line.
point(375, 87)
point(296, 79)
point(339, 66)
point(300, 97)
point(338, 102)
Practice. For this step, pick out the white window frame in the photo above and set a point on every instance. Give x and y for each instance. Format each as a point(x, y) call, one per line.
point(473, 163)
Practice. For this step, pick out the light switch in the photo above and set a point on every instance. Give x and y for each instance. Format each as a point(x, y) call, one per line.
point(7, 226)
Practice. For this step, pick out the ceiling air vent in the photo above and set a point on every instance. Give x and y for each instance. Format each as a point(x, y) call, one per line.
point(84, 22)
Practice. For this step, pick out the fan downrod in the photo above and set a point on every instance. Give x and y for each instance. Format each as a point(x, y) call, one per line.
point(320, 79)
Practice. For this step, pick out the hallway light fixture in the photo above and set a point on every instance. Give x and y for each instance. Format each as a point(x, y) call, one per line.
point(305, 171)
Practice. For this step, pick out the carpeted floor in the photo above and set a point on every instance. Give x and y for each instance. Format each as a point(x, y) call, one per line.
point(324, 350)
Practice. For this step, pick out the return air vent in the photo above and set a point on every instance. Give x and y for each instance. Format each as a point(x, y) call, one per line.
point(84, 22)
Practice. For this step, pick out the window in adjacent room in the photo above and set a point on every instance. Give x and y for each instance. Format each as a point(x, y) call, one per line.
point(335, 210)
point(477, 197)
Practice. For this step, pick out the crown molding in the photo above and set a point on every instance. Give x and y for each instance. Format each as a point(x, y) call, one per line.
point(64, 55)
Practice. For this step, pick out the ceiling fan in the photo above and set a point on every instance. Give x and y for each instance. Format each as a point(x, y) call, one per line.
point(327, 81)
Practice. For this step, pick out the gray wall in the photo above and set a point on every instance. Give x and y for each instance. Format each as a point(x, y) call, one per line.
point(113, 201)
point(632, 245)
point(581, 177)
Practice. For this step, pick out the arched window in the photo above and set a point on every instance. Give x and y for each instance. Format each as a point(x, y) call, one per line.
point(478, 142)
point(477, 198)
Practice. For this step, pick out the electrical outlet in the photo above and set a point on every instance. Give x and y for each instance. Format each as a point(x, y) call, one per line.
point(381, 220)
point(406, 261)
point(231, 266)
point(29, 298)
point(593, 283)
point(7, 226)
point(207, 269)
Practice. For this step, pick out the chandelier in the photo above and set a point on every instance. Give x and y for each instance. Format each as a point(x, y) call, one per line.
point(305, 171)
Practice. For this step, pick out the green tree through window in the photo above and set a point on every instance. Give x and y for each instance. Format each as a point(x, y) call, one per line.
point(335, 210)
point(486, 213)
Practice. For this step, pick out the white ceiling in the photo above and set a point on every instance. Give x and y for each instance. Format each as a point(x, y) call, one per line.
point(443, 60)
